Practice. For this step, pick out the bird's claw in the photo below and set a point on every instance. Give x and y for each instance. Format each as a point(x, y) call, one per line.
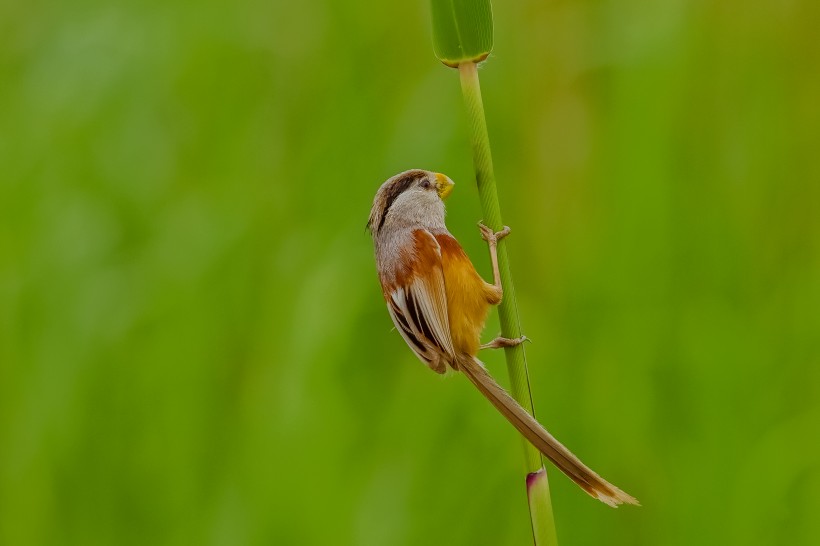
point(492, 237)
point(503, 342)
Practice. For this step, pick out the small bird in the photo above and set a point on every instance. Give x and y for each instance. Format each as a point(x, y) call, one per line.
point(439, 304)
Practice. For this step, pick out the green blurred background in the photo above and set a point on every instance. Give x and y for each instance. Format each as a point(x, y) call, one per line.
point(193, 345)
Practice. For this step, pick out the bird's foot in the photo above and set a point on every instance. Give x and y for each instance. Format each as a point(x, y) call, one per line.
point(490, 236)
point(504, 342)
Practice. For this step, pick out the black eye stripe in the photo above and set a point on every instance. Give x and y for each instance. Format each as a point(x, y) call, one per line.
point(397, 188)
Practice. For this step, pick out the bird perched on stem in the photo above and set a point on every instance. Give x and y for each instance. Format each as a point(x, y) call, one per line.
point(439, 304)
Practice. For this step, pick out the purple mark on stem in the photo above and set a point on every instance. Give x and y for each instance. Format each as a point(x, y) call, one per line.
point(534, 477)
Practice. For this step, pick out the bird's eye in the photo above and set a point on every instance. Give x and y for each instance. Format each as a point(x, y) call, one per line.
point(425, 184)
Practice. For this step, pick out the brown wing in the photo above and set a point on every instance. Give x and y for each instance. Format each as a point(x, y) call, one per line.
point(417, 303)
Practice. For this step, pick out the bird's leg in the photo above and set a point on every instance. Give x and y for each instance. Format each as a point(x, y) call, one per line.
point(504, 342)
point(492, 239)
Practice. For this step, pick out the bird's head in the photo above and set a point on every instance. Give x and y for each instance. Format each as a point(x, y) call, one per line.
point(411, 197)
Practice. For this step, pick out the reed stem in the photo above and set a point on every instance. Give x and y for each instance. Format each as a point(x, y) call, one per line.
point(538, 493)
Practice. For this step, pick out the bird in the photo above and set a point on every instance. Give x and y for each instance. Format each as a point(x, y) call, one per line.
point(439, 304)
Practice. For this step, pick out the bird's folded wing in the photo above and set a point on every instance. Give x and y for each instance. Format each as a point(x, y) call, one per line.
point(418, 307)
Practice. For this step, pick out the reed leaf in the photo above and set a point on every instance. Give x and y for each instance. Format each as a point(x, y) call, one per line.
point(462, 30)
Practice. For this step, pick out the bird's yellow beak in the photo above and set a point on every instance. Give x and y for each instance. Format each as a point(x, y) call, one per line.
point(443, 185)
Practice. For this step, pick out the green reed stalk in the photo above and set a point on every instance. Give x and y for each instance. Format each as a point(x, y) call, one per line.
point(538, 492)
point(462, 36)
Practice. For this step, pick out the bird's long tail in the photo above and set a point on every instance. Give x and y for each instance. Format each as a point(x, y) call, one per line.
point(538, 436)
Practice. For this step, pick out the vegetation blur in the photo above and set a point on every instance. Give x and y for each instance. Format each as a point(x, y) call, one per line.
point(193, 344)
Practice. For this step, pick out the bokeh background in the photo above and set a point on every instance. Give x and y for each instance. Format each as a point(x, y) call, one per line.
point(193, 346)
